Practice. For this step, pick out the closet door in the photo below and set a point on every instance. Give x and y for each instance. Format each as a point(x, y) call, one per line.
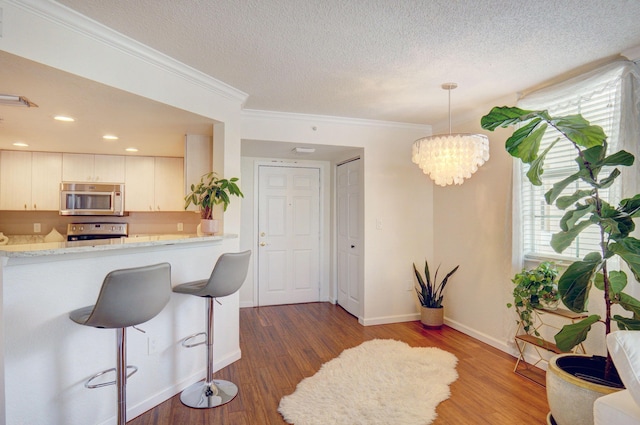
point(349, 237)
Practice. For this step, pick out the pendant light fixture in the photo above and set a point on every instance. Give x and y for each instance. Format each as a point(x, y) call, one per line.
point(450, 158)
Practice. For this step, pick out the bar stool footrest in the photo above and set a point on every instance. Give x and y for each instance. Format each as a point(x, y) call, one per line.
point(91, 386)
point(186, 344)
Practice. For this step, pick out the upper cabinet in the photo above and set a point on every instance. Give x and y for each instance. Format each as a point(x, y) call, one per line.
point(93, 168)
point(169, 186)
point(30, 181)
point(198, 154)
point(154, 184)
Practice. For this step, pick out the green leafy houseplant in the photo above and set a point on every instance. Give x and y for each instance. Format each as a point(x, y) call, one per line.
point(430, 291)
point(211, 191)
point(584, 208)
point(534, 288)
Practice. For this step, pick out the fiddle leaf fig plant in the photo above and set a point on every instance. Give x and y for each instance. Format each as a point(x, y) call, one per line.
point(583, 208)
point(211, 191)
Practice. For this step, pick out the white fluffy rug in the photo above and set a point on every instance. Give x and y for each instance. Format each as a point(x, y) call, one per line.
point(379, 382)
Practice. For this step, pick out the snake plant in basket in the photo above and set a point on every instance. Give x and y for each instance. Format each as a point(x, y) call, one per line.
point(430, 295)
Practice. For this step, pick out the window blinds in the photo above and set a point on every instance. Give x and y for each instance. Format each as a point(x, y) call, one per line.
point(597, 99)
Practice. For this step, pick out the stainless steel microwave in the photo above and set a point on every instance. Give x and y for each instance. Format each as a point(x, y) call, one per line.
point(91, 199)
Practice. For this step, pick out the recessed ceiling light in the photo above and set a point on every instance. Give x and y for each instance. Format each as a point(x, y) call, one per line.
point(131, 150)
point(63, 118)
point(20, 144)
point(110, 137)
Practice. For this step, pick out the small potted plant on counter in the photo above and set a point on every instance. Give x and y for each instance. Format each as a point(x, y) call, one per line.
point(430, 295)
point(211, 191)
point(535, 288)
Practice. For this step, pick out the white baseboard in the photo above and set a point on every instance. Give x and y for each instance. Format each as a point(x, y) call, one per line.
point(480, 336)
point(385, 320)
point(164, 395)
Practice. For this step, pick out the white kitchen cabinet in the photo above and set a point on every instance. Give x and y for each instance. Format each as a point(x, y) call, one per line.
point(138, 183)
point(80, 167)
point(154, 184)
point(46, 175)
point(15, 180)
point(198, 156)
point(169, 186)
point(30, 181)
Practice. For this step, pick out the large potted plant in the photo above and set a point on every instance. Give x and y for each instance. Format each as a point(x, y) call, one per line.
point(535, 288)
point(584, 208)
point(430, 294)
point(211, 191)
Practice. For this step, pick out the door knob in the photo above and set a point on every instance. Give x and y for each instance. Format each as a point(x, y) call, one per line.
point(263, 234)
point(263, 244)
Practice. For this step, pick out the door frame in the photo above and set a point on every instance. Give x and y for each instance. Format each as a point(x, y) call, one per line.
point(324, 214)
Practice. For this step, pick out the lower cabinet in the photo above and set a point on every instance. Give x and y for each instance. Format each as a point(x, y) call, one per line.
point(154, 184)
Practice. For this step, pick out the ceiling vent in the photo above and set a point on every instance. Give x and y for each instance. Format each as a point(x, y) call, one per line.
point(11, 100)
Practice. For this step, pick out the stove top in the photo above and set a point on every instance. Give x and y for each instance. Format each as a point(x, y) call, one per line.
point(90, 231)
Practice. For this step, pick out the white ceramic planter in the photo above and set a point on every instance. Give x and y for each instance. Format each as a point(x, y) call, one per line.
point(570, 398)
point(209, 227)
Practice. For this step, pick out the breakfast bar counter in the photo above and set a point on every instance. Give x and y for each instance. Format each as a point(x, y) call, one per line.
point(46, 357)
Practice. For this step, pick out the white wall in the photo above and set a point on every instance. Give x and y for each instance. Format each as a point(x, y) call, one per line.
point(473, 229)
point(395, 192)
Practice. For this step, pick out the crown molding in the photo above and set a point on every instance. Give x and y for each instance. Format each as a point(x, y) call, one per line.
point(74, 21)
point(633, 53)
point(255, 113)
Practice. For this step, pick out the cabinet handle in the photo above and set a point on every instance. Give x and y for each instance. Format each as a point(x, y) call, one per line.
point(35, 207)
point(158, 207)
point(150, 208)
point(263, 244)
point(25, 207)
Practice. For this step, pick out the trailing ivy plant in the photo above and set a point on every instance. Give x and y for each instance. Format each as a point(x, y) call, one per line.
point(584, 208)
point(533, 289)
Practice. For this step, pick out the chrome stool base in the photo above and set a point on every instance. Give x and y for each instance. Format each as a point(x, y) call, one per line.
point(203, 395)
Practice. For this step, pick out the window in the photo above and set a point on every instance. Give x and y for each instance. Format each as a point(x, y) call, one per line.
point(597, 98)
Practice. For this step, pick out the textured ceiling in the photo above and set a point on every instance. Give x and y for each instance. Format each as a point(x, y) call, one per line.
point(376, 59)
point(370, 59)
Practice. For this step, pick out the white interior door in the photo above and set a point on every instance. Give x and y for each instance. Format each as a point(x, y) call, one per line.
point(288, 235)
point(349, 236)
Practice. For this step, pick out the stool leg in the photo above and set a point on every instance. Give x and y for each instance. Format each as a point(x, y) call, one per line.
point(121, 374)
point(210, 392)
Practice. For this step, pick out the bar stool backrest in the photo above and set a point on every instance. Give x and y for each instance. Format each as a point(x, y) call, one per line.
point(228, 275)
point(132, 296)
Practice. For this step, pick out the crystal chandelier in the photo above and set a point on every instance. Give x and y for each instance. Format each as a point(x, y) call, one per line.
point(450, 158)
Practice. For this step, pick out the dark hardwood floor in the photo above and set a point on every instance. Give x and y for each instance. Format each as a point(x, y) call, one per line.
point(281, 345)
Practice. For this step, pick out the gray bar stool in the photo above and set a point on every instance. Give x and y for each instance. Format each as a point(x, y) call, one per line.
point(226, 278)
point(128, 297)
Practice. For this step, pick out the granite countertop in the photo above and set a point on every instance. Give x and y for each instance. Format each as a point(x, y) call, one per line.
point(39, 249)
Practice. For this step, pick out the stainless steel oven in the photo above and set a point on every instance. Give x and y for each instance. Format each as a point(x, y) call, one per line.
point(93, 231)
point(91, 199)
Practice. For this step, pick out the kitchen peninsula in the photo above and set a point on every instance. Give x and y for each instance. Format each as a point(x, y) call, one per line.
point(47, 357)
